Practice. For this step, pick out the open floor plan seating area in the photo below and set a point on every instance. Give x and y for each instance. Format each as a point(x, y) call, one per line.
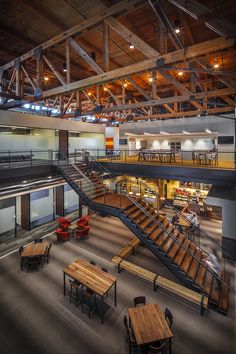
point(155, 319)
point(186, 259)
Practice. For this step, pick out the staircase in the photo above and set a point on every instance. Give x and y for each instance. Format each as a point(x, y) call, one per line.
point(181, 255)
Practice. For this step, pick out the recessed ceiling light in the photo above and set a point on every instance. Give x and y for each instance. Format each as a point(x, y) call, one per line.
point(131, 46)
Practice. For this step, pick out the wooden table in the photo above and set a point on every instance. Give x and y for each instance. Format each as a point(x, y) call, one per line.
point(149, 324)
point(73, 226)
point(183, 222)
point(34, 249)
point(92, 277)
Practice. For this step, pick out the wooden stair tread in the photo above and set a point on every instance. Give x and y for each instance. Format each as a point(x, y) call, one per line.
point(181, 253)
point(169, 242)
point(194, 265)
point(163, 236)
point(214, 295)
point(200, 276)
point(175, 247)
point(146, 221)
point(208, 282)
point(188, 258)
point(223, 302)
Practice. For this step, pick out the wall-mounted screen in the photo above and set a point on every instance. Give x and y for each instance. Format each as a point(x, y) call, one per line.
point(225, 140)
point(123, 141)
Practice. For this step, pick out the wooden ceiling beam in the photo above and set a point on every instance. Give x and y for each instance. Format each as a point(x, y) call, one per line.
point(178, 56)
point(117, 9)
point(168, 100)
point(131, 37)
point(195, 9)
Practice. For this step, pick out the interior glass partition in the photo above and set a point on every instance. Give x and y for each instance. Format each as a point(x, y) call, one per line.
point(7, 219)
point(41, 207)
point(71, 200)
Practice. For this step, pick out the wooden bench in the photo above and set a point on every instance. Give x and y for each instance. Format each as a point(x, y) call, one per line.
point(137, 270)
point(159, 281)
point(183, 292)
point(127, 249)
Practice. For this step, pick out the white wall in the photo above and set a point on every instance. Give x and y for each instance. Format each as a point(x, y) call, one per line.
point(87, 141)
point(42, 207)
point(7, 219)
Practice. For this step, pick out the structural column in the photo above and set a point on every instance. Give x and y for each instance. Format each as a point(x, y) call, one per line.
point(25, 212)
point(63, 143)
point(60, 200)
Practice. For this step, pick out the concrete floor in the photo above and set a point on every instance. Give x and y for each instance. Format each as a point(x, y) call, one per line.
point(37, 319)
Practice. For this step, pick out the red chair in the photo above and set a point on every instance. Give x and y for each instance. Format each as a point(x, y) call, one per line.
point(64, 223)
point(62, 235)
point(83, 231)
point(84, 220)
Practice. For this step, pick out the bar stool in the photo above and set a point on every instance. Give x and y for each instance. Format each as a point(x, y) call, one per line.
point(74, 291)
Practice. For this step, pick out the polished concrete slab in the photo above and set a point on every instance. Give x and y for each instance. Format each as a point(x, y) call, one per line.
point(36, 318)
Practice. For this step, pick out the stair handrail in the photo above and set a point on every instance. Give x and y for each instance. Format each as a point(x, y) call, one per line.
point(208, 236)
point(169, 234)
point(100, 165)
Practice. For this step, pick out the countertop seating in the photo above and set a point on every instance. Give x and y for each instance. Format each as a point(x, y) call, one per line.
point(149, 324)
point(93, 278)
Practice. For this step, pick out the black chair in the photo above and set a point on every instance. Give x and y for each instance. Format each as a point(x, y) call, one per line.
point(157, 347)
point(104, 270)
point(38, 240)
point(169, 319)
point(23, 262)
point(32, 264)
point(93, 263)
point(74, 291)
point(46, 255)
point(139, 301)
point(130, 336)
point(89, 302)
point(20, 250)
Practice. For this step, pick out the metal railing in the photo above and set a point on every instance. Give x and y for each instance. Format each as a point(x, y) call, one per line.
point(221, 159)
point(135, 202)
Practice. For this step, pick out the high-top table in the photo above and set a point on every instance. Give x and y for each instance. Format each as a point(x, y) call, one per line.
point(149, 324)
point(34, 249)
point(93, 278)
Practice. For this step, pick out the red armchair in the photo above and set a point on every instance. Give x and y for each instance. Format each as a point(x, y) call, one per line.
point(64, 223)
point(62, 235)
point(83, 231)
point(84, 220)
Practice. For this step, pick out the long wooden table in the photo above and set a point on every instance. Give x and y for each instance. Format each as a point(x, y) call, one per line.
point(149, 324)
point(34, 249)
point(93, 278)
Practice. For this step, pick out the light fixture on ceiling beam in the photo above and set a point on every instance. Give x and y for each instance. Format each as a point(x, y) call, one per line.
point(46, 78)
point(105, 88)
point(186, 132)
point(125, 84)
point(177, 25)
point(216, 64)
point(180, 73)
point(207, 130)
point(64, 68)
point(150, 79)
point(131, 46)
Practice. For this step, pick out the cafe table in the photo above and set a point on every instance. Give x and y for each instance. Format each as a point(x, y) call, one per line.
point(34, 249)
point(95, 279)
point(149, 324)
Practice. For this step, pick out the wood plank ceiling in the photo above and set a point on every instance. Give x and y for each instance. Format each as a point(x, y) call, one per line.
point(166, 74)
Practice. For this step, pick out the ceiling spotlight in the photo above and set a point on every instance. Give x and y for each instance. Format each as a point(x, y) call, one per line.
point(150, 79)
point(64, 68)
point(46, 78)
point(180, 73)
point(216, 64)
point(125, 84)
point(105, 89)
point(207, 130)
point(89, 94)
point(177, 25)
point(131, 46)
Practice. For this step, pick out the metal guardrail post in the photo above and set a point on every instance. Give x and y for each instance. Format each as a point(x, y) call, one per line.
point(31, 158)
point(9, 157)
